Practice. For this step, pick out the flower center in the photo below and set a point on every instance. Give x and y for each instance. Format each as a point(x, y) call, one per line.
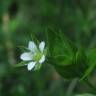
point(37, 56)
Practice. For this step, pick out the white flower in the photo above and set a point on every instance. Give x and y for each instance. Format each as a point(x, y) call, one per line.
point(35, 55)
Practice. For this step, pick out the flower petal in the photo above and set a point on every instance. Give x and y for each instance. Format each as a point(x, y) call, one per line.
point(26, 56)
point(42, 59)
point(41, 46)
point(31, 65)
point(32, 46)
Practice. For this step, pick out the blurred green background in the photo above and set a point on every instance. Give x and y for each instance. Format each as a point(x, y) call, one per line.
point(19, 19)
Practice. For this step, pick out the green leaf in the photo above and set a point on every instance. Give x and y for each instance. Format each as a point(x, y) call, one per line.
point(76, 68)
point(91, 55)
point(20, 64)
point(62, 51)
point(86, 94)
point(37, 66)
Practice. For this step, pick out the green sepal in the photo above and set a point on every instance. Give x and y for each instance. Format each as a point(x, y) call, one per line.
point(20, 64)
point(37, 66)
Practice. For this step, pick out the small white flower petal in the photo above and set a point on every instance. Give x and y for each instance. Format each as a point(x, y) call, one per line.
point(26, 56)
point(41, 46)
point(31, 65)
point(32, 46)
point(42, 59)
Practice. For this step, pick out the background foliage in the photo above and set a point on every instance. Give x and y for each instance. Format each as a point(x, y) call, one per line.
point(68, 28)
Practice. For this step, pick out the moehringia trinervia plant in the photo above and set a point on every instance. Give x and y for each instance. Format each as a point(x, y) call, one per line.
point(35, 57)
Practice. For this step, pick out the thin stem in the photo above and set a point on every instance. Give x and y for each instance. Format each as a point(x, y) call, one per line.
point(71, 87)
